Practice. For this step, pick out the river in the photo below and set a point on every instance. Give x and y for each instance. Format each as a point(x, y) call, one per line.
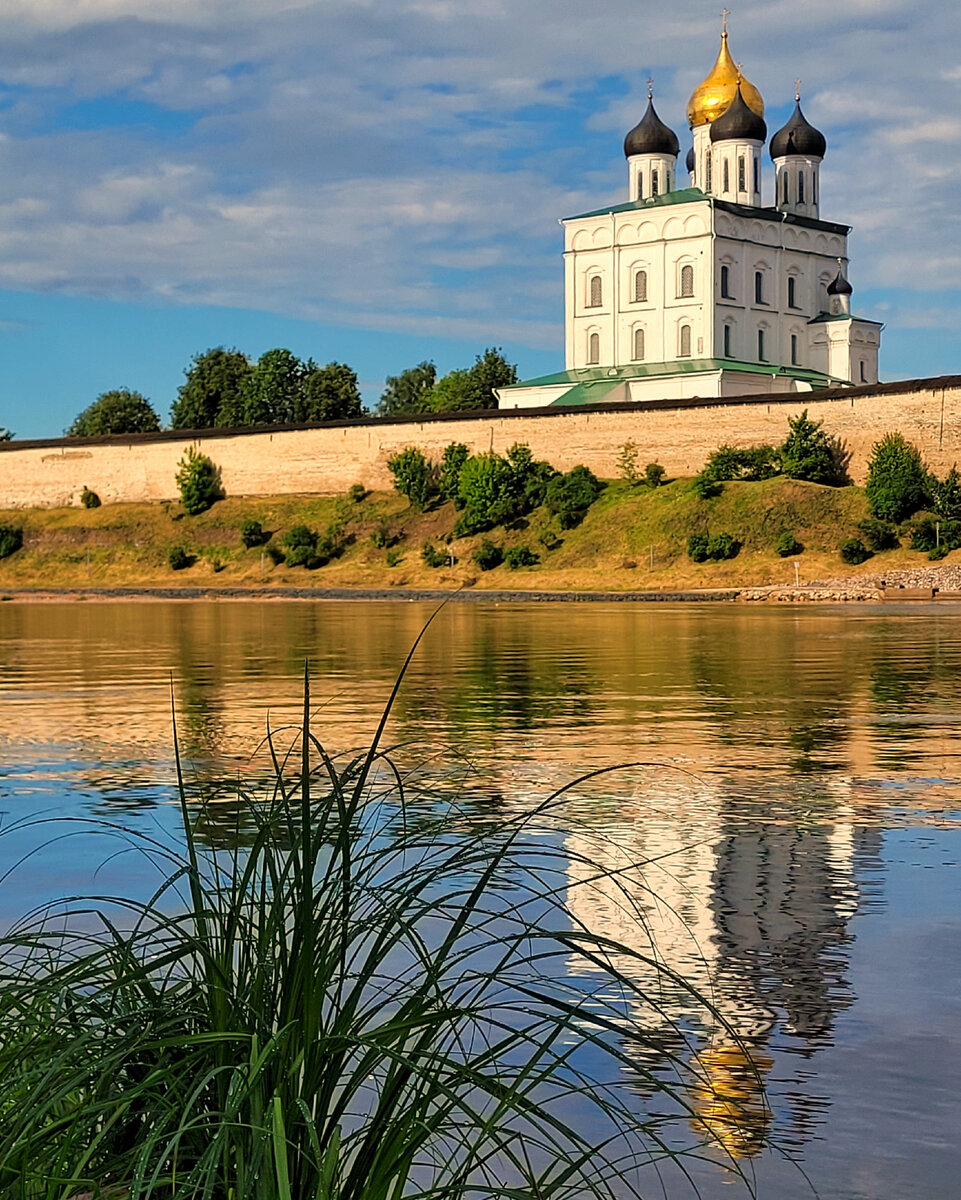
point(799, 814)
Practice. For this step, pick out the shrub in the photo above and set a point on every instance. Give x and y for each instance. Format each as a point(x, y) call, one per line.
point(854, 551)
point(179, 559)
point(488, 555)
point(89, 499)
point(383, 535)
point(489, 493)
point(704, 487)
point(331, 544)
point(198, 480)
point(938, 552)
point(787, 545)
point(944, 495)
point(808, 453)
point(654, 475)
point(252, 534)
point(393, 557)
point(570, 496)
point(722, 546)
point(929, 534)
point(897, 479)
point(11, 539)
point(531, 478)
point(520, 556)
point(454, 457)
point(433, 557)
point(301, 544)
point(549, 539)
point(357, 493)
point(697, 545)
point(275, 554)
point(879, 535)
point(627, 464)
point(414, 476)
point(729, 463)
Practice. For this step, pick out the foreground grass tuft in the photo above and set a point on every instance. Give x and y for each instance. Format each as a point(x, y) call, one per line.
point(333, 1011)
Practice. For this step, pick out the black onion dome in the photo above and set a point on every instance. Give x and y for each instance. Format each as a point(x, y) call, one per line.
point(738, 123)
point(651, 136)
point(690, 161)
point(798, 137)
point(839, 286)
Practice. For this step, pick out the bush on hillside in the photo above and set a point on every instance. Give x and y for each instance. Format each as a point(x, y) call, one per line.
point(520, 556)
point(179, 559)
point(89, 499)
point(729, 463)
point(697, 545)
point(627, 464)
point(944, 495)
point(570, 496)
point(879, 535)
point(704, 487)
point(357, 493)
point(854, 551)
point(414, 476)
point(788, 545)
point(11, 539)
point(723, 546)
point(382, 535)
point(488, 555)
point(451, 463)
point(275, 554)
point(897, 479)
point(808, 453)
point(252, 533)
point(198, 479)
point(654, 474)
point(433, 557)
point(929, 533)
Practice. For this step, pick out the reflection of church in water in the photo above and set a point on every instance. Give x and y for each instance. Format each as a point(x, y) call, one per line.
point(752, 914)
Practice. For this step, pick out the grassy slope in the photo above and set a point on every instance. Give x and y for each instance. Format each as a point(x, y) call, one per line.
point(127, 544)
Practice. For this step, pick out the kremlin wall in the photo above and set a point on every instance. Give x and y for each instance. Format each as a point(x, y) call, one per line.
point(327, 459)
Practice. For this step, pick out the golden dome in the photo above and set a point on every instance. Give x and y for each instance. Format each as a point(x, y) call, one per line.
point(712, 97)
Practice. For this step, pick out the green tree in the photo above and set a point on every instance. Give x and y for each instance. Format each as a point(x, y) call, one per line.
point(329, 393)
point(488, 490)
point(807, 452)
point(213, 392)
point(455, 455)
point(5, 434)
point(414, 476)
point(272, 392)
point(409, 392)
point(198, 479)
point(473, 387)
point(117, 411)
point(897, 479)
point(945, 494)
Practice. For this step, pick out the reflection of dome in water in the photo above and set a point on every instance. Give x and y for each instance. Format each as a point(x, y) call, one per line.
point(729, 1099)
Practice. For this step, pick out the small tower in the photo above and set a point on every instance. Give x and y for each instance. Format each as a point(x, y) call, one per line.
point(844, 345)
point(708, 101)
point(798, 150)
point(651, 150)
point(839, 294)
point(737, 137)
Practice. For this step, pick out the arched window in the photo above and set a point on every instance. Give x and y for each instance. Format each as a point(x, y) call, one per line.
point(726, 175)
point(787, 188)
point(864, 377)
point(595, 292)
point(791, 292)
point(639, 345)
point(760, 346)
point(594, 348)
point(726, 283)
point(727, 341)
point(708, 165)
point(640, 287)
point(684, 350)
point(758, 287)
point(655, 182)
point(757, 174)
point(800, 187)
point(640, 185)
point(741, 174)
point(814, 188)
point(794, 358)
point(687, 280)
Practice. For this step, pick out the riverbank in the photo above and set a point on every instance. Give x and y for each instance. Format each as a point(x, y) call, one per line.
point(631, 545)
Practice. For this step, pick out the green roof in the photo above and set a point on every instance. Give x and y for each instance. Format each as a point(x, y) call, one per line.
point(823, 318)
point(590, 392)
point(612, 376)
point(695, 195)
point(682, 196)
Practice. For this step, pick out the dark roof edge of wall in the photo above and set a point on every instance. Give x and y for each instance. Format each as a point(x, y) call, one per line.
point(187, 436)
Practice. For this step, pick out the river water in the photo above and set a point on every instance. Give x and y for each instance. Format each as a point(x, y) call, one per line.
point(799, 821)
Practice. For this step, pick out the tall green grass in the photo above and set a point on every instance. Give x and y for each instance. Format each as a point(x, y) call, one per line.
point(333, 1010)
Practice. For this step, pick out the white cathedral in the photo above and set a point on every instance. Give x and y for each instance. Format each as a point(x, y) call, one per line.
point(703, 290)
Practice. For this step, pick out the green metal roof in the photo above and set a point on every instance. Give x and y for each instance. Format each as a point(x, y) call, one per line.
point(612, 376)
point(823, 318)
point(695, 195)
point(682, 196)
point(590, 392)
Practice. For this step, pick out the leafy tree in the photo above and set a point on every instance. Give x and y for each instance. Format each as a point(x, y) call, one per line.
point(89, 499)
point(742, 462)
point(808, 452)
point(787, 545)
point(488, 491)
point(408, 392)
point(654, 474)
point(854, 552)
point(488, 555)
point(627, 464)
point(454, 392)
point(198, 480)
point(117, 411)
point(944, 495)
point(213, 392)
point(329, 393)
point(273, 389)
point(897, 479)
point(473, 387)
point(252, 533)
point(414, 476)
point(570, 496)
point(455, 455)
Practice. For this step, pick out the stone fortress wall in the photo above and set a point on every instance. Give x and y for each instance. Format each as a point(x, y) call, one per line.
point(327, 459)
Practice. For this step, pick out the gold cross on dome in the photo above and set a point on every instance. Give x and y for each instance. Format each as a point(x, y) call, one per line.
point(725, 13)
point(650, 89)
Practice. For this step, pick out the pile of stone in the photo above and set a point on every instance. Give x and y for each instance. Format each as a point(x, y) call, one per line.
point(812, 594)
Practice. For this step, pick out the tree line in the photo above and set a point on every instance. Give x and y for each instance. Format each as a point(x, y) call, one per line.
point(225, 389)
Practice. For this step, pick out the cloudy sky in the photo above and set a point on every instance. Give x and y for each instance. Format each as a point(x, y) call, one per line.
point(379, 181)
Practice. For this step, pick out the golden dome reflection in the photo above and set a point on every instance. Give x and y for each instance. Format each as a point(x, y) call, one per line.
point(712, 97)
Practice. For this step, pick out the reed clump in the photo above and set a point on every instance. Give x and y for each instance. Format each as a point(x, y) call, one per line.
point(325, 1011)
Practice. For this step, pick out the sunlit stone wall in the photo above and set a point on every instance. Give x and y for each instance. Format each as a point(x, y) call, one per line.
point(328, 459)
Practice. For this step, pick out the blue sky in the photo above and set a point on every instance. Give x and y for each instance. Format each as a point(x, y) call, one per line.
point(380, 182)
